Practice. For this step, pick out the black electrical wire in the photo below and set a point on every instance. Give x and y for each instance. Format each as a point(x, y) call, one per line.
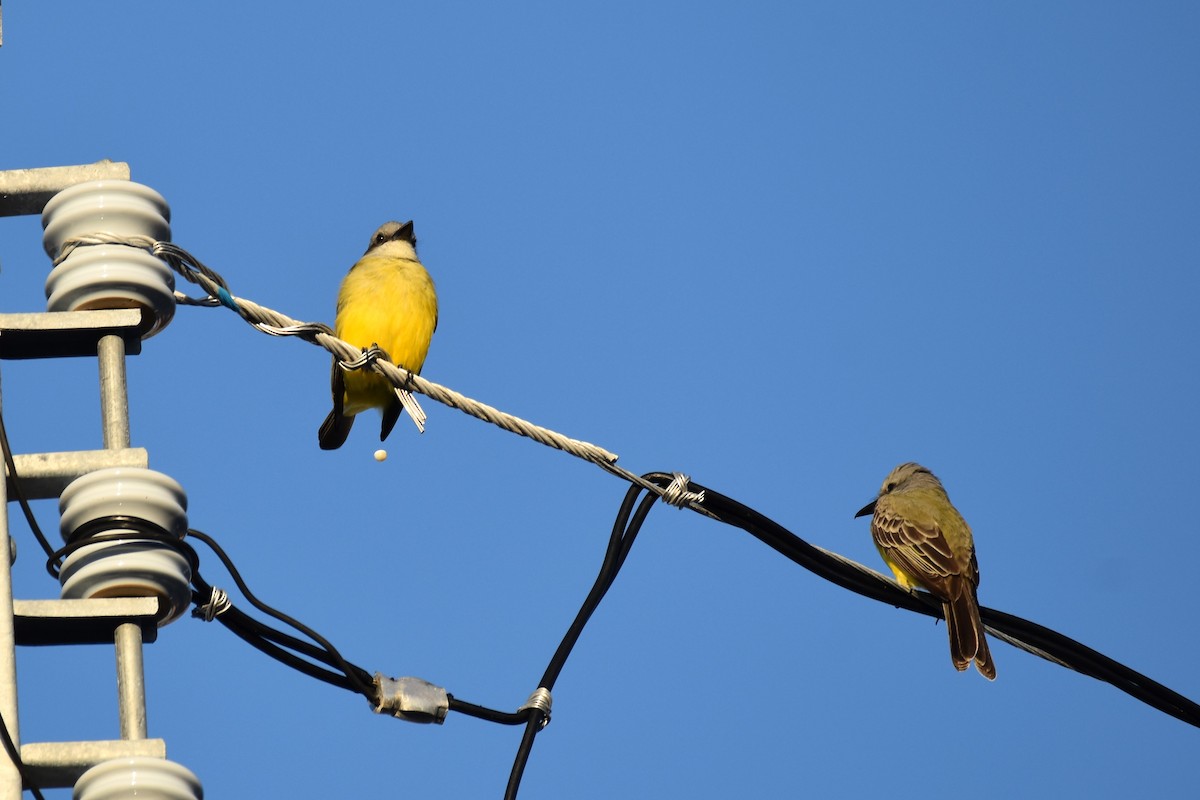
point(522, 758)
point(11, 465)
point(283, 640)
point(621, 540)
point(1034, 638)
point(1030, 636)
point(254, 631)
point(301, 655)
point(359, 679)
point(259, 636)
point(488, 714)
point(10, 747)
point(1084, 660)
point(275, 643)
point(288, 649)
point(625, 530)
point(112, 528)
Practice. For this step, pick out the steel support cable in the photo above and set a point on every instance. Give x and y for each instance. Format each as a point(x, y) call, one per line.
point(274, 323)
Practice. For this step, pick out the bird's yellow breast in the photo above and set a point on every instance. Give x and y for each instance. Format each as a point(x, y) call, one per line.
point(902, 577)
point(390, 302)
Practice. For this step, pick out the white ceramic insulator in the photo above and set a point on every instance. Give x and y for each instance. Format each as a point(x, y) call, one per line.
point(136, 778)
point(110, 275)
point(131, 567)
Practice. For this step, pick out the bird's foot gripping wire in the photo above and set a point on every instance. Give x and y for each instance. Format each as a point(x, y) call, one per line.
point(374, 353)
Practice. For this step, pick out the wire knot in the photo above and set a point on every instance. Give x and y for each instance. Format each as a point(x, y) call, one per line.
point(541, 700)
point(218, 603)
point(677, 494)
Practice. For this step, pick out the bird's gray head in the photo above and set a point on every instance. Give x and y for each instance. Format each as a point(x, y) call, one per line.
point(393, 232)
point(907, 475)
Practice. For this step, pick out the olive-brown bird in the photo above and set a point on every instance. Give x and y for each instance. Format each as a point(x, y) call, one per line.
point(386, 300)
point(927, 544)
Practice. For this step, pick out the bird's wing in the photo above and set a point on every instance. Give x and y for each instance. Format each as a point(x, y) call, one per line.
point(337, 386)
point(921, 551)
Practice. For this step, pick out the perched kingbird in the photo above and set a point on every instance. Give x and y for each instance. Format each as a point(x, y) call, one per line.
point(386, 300)
point(928, 544)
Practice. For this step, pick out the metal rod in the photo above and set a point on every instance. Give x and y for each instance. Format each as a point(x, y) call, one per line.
point(10, 777)
point(114, 398)
point(131, 682)
point(114, 412)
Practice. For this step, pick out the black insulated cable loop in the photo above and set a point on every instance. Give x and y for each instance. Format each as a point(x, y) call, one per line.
point(266, 639)
point(625, 530)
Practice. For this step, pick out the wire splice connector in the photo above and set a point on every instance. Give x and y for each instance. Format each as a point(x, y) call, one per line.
point(541, 700)
point(218, 603)
point(411, 699)
point(368, 358)
point(677, 494)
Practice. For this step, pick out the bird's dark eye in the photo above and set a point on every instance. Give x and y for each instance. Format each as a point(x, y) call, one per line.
point(380, 239)
point(890, 486)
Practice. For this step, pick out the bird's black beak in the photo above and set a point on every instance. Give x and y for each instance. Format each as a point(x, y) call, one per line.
point(869, 508)
point(406, 232)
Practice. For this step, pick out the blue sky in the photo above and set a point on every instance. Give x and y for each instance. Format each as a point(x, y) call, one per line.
point(780, 247)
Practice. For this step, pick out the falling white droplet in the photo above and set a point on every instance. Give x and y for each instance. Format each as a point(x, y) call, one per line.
point(381, 455)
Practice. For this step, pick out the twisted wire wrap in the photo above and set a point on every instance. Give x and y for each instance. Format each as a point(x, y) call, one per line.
point(541, 700)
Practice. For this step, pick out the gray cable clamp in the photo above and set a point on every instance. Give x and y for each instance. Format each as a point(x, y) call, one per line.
point(411, 699)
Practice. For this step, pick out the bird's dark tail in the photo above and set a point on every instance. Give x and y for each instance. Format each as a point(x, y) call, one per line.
point(391, 413)
point(334, 430)
point(968, 642)
point(336, 426)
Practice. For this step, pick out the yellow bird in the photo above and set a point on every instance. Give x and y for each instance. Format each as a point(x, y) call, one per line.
point(927, 544)
point(387, 300)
